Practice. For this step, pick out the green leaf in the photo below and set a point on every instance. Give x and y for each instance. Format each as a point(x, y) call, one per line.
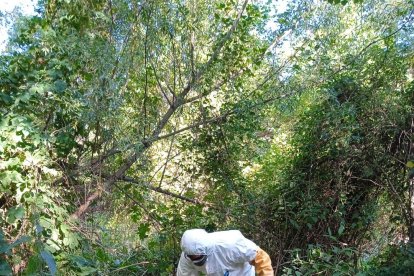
point(22, 239)
point(60, 86)
point(410, 164)
point(294, 223)
point(39, 88)
point(5, 268)
point(411, 173)
point(33, 265)
point(50, 261)
point(46, 223)
point(6, 98)
point(341, 229)
point(102, 256)
point(4, 247)
point(87, 270)
point(11, 177)
point(79, 261)
point(329, 231)
point(143, 230)
point(15, 213)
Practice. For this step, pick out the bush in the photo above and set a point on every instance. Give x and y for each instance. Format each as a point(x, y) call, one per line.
point(393, 260)
point(322, 261)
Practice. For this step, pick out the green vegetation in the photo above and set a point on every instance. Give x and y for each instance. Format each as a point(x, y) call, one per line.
point(124, 123)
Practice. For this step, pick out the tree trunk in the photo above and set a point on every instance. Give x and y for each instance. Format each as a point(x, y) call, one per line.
point(411, 184)
point(411, 213)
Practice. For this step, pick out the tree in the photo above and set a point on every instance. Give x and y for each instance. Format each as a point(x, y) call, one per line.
point(97, 119)
point(143, 119)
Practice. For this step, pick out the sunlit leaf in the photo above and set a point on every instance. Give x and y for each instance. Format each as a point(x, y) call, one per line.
point(50, 261)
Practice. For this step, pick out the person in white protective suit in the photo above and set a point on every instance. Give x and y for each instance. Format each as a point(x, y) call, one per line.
point(225, 253)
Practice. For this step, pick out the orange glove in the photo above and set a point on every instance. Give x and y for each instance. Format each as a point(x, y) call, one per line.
point(262, 263)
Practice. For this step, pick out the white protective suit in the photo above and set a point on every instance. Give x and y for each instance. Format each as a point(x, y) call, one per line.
point(228, 253)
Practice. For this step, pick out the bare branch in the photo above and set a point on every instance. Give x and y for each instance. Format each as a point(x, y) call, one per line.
point(159, 190)
point(82, 208)
point(159, 85)
point(125, 40)
point(139, 204)
point(216, 87)
point(144, 104)
point(111, 28)
point(212, 120)
point(171, 90)
point(99, 159)
point(192, 55)
point(368, 180)
point(277, 39)
point(162, 166)
point(166, 162)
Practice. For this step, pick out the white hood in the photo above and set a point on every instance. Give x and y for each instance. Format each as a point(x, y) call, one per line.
point(227, 251)
point(196, 242)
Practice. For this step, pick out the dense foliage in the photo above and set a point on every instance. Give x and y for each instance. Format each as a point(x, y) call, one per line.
point(125, 123)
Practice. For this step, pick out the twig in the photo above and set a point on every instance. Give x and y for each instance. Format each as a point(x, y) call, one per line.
point(140, 205)
point(121, 268)
point(166, 162)
point(160, 190)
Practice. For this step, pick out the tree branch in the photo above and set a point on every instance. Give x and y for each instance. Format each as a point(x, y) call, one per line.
point(160, 86)
point(179, 101)
point(159, 190)
point(166, 162)
point(216, 87)
point(408, 19)
point(214, 119)
point(162, 166)
point(140, 205)
point(81, 209)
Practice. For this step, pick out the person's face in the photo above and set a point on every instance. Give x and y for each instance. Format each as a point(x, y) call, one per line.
point(197, 260)
point(195, 257)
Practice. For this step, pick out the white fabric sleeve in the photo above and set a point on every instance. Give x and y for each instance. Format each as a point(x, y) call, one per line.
point(185, 268)
point(245, 251)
